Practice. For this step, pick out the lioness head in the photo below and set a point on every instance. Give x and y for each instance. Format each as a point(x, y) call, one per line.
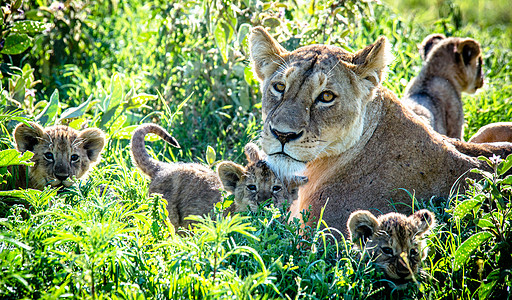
point(393, 240)
point(60, 152)
point(313, 98)
point(256, 183)
point(461, 57)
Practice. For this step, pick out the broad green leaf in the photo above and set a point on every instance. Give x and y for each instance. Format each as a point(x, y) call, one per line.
point(12, 157)
point(75, 112)
point(29, 27)
point(468, 247)
point(507, 180)
point(50, 111)
point(139, 100)
point(505, 165)
point(210, 155)
point(249, 76)
point(272, 22)
point(243, 31)
point(485, 289)
point(16, 43)
point(126, 134)
point(221, 40)
point(483, 158)
point(485, 223)
point(113, 101)
point(465, 207)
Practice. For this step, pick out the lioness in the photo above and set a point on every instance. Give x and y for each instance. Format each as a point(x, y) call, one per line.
point(452, 65)
point(60, 153)
point(256, 183)
point(326, 113)
point(492, 133)
point(393, 240)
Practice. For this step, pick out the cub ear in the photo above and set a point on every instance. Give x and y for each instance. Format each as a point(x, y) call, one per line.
point(469, 49)
point(361, 225)
point(266, 53)
point(298, 181)
point(27, 137)
point(230, 174)
point(371, 61)
point(428, 43)
point(93, 142)
point(253, 153)
point(424, 220)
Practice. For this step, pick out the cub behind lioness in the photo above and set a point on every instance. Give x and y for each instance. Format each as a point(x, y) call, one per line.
point(60, 153)
point(452, 65)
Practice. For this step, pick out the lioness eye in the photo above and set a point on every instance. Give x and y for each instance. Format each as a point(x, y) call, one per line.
point(387, 250)
point(279, 87)
point(326, 97)
point(74, 157)
point(251, 187)
point(413, 252)
point(48, 156)
point(276, 188)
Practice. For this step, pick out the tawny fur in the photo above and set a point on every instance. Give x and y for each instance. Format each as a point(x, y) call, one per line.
point(61, 153)
point(394, 241)
point(493, 133)
point(189, 188)
point(452, 65)
point(360, 148)
point(256, 183)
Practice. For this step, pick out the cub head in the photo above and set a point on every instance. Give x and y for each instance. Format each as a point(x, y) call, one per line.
point(313, 98)
point(458, 57)
point(256, 183)
point(60, 152)
point(393, 240)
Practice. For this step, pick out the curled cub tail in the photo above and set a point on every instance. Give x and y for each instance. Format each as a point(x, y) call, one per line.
point(140, 156)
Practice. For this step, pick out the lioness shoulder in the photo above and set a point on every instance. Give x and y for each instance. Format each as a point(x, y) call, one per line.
point(60, 153)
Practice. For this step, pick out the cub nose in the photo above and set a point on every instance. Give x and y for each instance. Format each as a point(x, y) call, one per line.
point(285, 137)
point(61, 176)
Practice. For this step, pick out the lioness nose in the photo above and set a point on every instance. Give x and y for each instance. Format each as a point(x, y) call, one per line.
point(285, 137)
point(61, 176)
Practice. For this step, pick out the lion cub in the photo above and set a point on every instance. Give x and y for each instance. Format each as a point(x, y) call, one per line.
point(494, 132)
point(256, 183)
point(452, 65)
point(393, 240)
point(60, 152)
point(193, 189)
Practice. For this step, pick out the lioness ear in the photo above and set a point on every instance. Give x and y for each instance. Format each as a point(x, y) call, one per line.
point(424, 220)
point(230, 174)
point(428, 43)
point(253, 153)
point(27, 137)
point(266, 53)
point(361, 225)
point(371, 61)
point(468, 49)
point(93, 142)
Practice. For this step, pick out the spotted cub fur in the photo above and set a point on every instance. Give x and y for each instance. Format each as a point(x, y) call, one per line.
point(393, 240)
point(257, 183)
point(60, 153)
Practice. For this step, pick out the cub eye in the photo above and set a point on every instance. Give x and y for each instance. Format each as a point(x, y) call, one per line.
point(74, 157)
point(387, 250)
point(276, 188)
point(251, 187)
point(48, 156)
point(279, 87)
point(326, 97)
point(413, 252)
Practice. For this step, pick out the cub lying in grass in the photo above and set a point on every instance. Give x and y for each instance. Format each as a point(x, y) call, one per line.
point(452, 65)
point(193, 189)
point(393, 240)
point(60, 153)
point(494, 132)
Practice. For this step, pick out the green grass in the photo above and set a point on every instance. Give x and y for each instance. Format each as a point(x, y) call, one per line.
point(184, 65)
